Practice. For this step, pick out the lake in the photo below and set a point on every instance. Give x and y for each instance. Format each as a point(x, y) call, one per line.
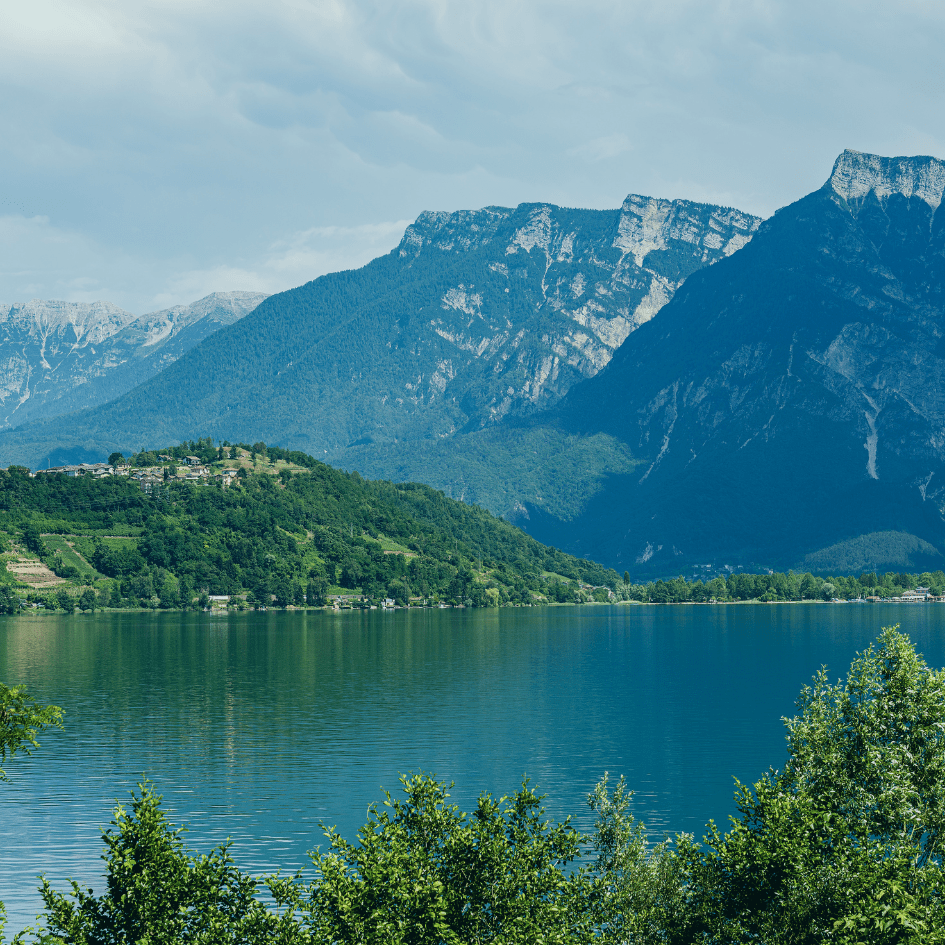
point(260, 726)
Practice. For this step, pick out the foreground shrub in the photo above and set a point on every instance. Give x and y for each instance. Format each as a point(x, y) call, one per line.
point(422, 871)
point(157, 892)
point(845, 844)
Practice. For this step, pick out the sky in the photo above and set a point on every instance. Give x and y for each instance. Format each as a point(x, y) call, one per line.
point(153, 152)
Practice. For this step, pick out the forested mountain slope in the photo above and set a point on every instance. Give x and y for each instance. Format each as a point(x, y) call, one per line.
point(476, 317)
point(58, 357)
point(790, 401)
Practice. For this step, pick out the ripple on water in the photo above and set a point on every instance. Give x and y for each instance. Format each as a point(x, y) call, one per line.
point(259, 727)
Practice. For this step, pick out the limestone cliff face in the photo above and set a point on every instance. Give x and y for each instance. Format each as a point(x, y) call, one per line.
point(856, 175)
point(57, 357)
point(542, 296)
point(793, 396)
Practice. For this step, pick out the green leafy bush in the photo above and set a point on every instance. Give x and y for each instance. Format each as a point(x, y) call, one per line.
point(158, 892)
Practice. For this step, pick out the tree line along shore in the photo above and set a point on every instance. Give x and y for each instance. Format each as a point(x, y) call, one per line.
point(792, 586)
point(104, 595)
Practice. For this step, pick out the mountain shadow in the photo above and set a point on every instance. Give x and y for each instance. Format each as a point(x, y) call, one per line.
point(788, 399)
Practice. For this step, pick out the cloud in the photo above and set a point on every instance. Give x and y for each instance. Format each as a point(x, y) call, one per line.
point(602, 149)
point(158, 138)
point(293, 261)
point(40, 260)
point(331, 248)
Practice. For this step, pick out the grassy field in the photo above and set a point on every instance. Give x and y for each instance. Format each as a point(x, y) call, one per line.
point(388, 545)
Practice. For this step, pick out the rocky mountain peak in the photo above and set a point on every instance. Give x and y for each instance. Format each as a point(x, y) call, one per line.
point(856, 174)
point(786, 406)
point(651, 223)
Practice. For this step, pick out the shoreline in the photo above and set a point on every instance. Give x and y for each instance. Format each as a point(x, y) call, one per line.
point(228, 612)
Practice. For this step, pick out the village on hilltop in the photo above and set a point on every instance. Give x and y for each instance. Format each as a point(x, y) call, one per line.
point(205, 465)
point(192, 469)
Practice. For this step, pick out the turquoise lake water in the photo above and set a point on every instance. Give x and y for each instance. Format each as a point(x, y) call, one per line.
point(258, 727)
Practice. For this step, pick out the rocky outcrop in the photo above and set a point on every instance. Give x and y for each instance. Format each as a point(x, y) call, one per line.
point(584, 279)
point(857, 175)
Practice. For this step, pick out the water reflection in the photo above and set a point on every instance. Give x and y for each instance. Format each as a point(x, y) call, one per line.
point(259, 726)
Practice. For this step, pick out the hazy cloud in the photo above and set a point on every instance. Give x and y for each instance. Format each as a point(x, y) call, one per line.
point(42, 261)
point(151, 148)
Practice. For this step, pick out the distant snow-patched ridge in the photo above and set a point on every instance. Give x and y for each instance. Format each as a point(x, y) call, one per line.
point(90, 322)
point(56, 357)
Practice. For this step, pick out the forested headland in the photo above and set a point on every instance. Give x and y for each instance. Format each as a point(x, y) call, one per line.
point(283, 530)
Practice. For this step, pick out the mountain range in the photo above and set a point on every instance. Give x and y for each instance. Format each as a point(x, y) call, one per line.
point(659, 387)
point(474, 318)
point(57, 357)
point(785, 409)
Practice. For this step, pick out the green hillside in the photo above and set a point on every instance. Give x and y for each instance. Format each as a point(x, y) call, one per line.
point(285, 530)
point(505, 468)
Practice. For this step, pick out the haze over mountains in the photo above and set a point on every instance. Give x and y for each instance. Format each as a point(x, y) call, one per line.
point(785, 407)
point(57, 357)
